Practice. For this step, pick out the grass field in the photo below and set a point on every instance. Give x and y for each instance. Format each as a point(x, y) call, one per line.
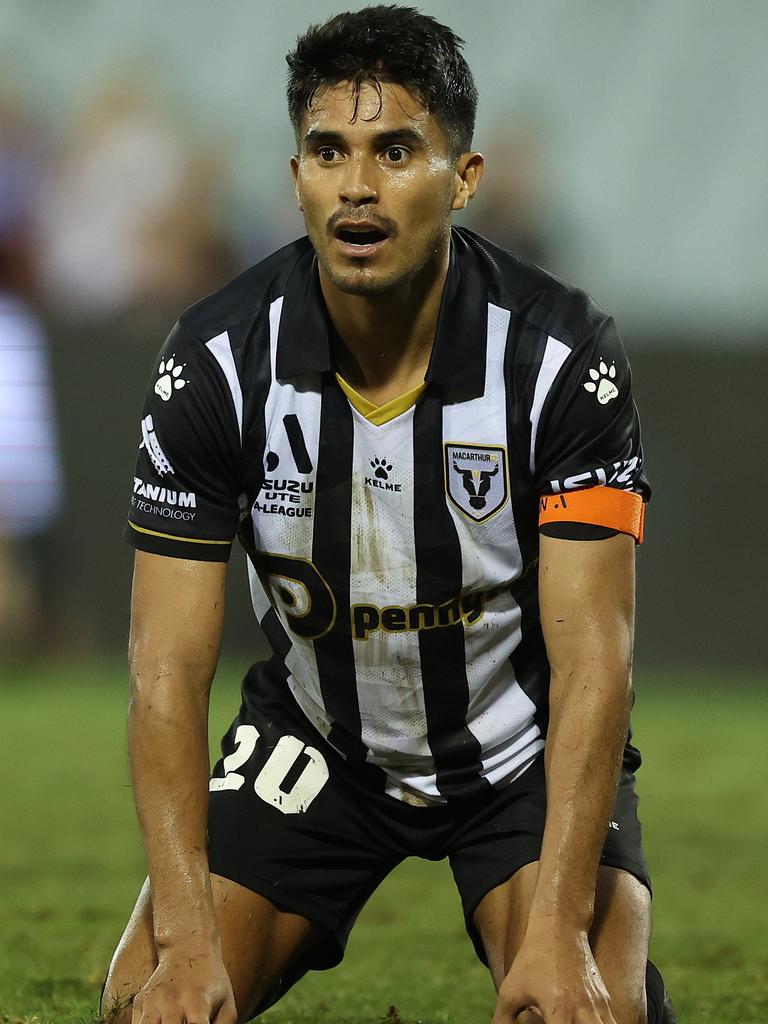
point(70, 863)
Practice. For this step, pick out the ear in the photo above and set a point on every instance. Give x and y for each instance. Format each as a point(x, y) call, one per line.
point(295, 176)
point(469, 171)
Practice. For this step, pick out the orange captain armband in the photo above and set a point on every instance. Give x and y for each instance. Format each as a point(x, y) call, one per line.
point(599, 506)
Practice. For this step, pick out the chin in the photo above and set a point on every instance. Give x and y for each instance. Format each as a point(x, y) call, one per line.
point(364, 281)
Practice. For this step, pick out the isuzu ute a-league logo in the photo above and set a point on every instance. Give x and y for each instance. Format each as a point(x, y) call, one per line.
point(476, 479)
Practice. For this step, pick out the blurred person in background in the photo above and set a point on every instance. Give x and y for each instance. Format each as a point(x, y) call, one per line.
point(30, 470)
point(130, 223)
point(511, 206)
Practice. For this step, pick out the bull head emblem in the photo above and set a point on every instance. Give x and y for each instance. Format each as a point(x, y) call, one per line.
point(477, 483)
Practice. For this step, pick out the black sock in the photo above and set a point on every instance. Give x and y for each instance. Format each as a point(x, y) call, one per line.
point(654, 994)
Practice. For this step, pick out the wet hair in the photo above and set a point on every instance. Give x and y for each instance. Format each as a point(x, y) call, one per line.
point(387, 43)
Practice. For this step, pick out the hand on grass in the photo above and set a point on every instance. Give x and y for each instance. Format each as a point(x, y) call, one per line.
point(557, 979)
point(188, 988)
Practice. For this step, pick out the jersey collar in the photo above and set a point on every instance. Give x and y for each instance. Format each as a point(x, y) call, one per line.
point(457, 362)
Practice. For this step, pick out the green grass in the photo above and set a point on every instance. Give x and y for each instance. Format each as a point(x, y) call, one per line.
point(70, 863)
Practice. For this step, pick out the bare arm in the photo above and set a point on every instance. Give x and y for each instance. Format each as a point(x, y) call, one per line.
point(587, 612)
point(177, 614)
point(586, 592)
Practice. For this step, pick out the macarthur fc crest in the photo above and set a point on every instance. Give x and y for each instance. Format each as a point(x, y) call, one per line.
point(476, 478)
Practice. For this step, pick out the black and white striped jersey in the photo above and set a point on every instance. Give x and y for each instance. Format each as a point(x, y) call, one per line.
point(393, 551)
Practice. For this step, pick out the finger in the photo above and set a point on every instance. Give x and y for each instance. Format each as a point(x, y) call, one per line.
point(189, 1015)
point(508, 1008)
point(149, 1016)
point(196, 1012)
point(137, 1010)
point(227, 1013)
point(173, 1016)
point(160, 1013)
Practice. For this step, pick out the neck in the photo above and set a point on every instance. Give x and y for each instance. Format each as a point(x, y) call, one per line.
point(386, 340)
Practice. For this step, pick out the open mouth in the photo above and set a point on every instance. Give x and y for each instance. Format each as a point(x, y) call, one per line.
point(361, 239)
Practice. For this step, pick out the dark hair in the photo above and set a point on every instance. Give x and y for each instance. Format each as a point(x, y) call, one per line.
point(387, 43)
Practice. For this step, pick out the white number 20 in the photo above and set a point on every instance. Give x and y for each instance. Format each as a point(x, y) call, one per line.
point(268, 783)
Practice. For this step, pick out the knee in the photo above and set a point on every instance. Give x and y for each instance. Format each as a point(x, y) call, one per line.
point(119, 991)
point(115, 1008)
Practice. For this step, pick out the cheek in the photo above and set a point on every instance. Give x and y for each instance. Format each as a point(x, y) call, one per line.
point(313, 189)
point(424, 197)
point(315, 212)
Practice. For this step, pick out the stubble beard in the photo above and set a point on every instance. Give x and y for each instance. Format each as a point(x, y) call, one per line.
point(365, 281)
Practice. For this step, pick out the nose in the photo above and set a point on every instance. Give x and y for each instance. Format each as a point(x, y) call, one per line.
point(358, 184)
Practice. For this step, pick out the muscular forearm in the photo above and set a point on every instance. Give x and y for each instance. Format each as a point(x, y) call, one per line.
point(589, 712)
point(168, 751)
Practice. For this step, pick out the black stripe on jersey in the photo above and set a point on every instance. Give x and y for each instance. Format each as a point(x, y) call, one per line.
point(280, 643)
point(522, 359)
point(278, 639)
point(297, 443)
point(455, 750)
point(529, 659)
point(331, 555)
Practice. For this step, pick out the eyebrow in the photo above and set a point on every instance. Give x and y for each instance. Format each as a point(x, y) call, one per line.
point(317, 137)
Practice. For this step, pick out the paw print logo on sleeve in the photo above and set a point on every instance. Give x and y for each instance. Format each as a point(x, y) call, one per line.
point(602, 382)
point(170, 378)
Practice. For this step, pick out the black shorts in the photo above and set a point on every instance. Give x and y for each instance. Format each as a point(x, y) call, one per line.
point(290, 819)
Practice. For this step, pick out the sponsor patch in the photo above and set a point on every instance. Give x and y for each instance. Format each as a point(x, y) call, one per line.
point(619, 474)
point(476, 478)
point(284, 497)
point(164, 495)
point(468, 609)
point(156, 454)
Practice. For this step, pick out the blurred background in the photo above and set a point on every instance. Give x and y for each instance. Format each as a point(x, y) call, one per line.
point(144, 154)
point(144, 161)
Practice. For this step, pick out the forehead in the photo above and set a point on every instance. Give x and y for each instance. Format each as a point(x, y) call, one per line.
point(335, 108)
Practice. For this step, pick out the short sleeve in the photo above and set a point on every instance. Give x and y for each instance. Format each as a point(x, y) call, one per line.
point(588, 440)
point(184, 501)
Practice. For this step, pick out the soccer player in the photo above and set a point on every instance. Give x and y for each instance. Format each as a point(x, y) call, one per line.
point(431, 455)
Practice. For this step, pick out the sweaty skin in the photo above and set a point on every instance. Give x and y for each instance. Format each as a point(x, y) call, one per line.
point(586, 594)
point(389, 165)
point(389, 168)
point(177, 606)
point(177, 611)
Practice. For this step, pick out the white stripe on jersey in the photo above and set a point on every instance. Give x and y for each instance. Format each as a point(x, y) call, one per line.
point(222, 350)
point(383, 573)
point(555, 355)
point(500, 713)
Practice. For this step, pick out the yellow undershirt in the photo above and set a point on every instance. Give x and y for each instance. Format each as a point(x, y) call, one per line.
point(378, 414)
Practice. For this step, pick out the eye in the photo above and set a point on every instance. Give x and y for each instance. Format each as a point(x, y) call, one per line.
point(396, 154)
point(327, 154)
